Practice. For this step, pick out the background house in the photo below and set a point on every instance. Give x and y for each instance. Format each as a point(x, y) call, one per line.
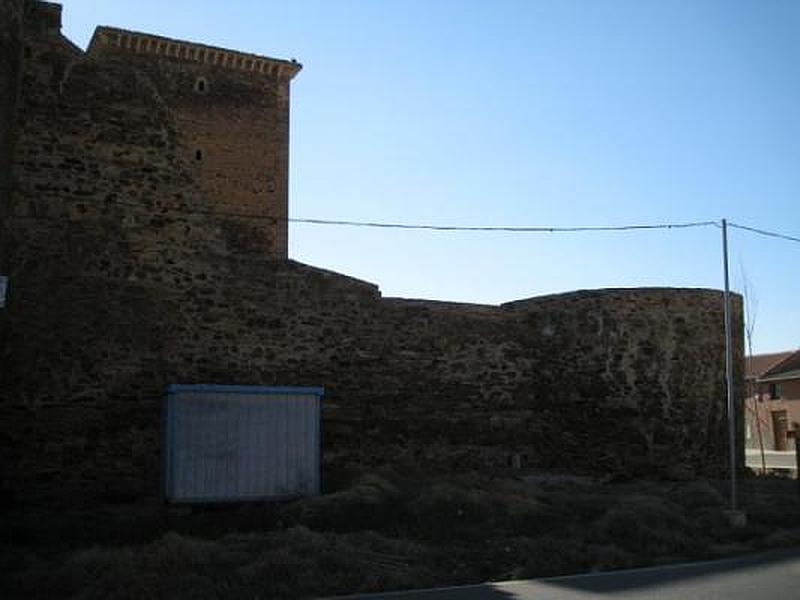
point(773, 400)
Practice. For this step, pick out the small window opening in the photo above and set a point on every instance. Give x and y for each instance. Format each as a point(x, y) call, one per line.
point(198, 155)
point(201, 85)
point(28, 52)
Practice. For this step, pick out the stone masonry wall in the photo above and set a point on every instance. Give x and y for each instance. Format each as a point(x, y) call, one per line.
point(11, 51)
point(231, 114)
point(125, 277)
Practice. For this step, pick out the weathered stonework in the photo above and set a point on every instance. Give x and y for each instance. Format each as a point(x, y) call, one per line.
point(231, 113)
point(11, 53)
point(130, 271)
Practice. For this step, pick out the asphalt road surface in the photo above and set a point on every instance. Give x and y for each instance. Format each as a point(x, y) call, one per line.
point(771, 575)
point(773, 458)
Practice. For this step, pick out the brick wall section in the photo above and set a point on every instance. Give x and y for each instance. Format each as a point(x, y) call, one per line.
point(117, 290)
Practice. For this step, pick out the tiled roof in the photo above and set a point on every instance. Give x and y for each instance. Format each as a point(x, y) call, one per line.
point(787, 368)
point(758, 364)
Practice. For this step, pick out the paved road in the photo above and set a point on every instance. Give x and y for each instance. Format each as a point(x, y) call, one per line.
point(774, 459)
point(772, 575)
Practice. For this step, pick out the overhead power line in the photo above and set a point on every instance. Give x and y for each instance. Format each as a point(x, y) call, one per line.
point(428, 227)
point(519, 229)
point(168, 213)
point(764, 232)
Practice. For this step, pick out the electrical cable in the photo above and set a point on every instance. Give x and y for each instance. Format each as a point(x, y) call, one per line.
point(765, 232)
point(185, 211)
point(429, 227)
point(515, 229)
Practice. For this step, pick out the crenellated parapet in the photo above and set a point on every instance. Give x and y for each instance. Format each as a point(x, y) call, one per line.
point(148, 44)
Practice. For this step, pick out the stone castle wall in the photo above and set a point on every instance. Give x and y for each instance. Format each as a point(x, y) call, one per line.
point(126, 276)
point(11, 52)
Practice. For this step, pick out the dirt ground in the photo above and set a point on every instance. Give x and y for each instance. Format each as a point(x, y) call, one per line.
point(383, 530)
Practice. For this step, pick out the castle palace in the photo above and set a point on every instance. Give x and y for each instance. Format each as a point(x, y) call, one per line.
point(143, 234)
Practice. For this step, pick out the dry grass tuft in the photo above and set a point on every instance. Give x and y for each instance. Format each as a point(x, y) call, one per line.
point(381, 531)
point(647, 526)
point(294, 563)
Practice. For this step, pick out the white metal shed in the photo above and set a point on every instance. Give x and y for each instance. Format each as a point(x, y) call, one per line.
point(233, 443)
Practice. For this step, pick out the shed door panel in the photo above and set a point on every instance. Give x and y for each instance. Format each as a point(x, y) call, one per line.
point(238, 447)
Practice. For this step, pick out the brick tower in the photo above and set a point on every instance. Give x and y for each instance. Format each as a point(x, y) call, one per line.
point(232, 113)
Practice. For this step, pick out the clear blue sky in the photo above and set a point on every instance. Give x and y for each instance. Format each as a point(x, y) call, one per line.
point(529, 113)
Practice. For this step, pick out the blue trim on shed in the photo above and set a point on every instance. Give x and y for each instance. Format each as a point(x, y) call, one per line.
point(215, 388)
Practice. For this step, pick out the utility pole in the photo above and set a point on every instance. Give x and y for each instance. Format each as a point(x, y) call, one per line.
point(729, 367)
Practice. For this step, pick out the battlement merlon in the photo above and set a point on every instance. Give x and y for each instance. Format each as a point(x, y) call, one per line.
point(155, 45)
point(46, 15)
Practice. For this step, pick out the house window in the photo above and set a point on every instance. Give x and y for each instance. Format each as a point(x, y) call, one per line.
point(774, 391)
point(198, 155)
